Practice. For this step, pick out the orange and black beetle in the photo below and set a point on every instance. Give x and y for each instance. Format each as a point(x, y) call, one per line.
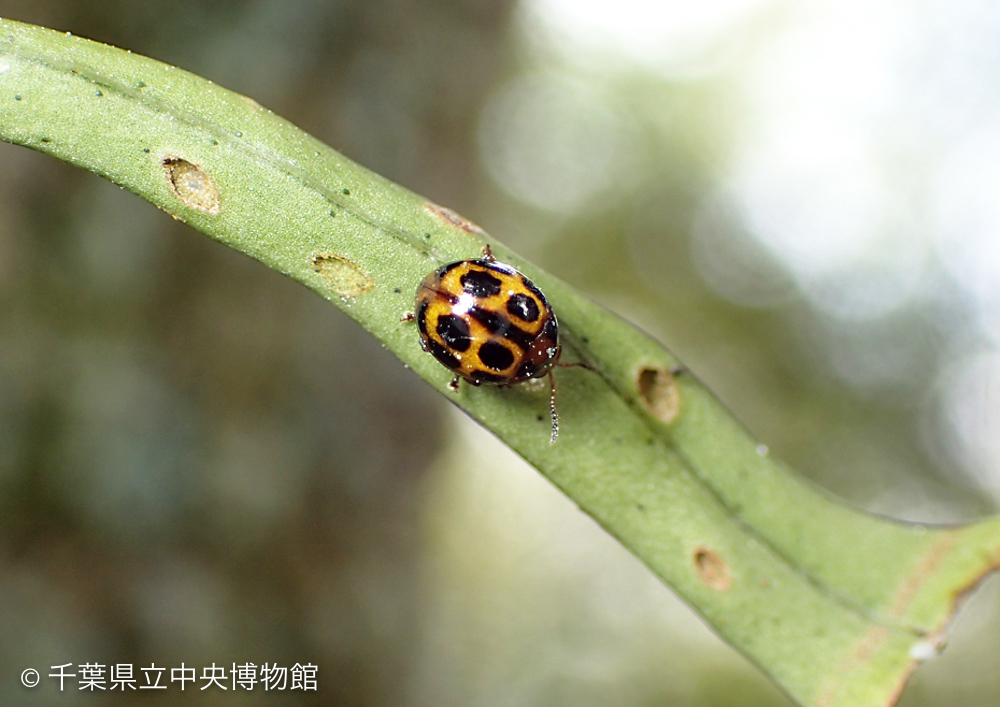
point(489, 324)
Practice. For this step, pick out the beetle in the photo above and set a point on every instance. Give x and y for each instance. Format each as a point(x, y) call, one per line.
point(490, 325)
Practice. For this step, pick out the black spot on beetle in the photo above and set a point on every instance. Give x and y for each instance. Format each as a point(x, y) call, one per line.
point(445, 269)
point(422, 318)
point(551, 330)
point(532, 289)
point(443, 355)
point(501, 326)
point(479, 283)
point(495, 323)
point(495, 356)
point(523, 307)
point(454, 331)
point(480, 377)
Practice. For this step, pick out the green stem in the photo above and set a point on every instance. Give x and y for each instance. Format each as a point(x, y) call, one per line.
point(833, 604)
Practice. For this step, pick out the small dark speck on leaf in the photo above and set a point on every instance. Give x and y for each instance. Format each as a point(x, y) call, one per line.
point(396, 290)
point(346, 192)
point(17, 97)
point(99, 93)
point(146, 150)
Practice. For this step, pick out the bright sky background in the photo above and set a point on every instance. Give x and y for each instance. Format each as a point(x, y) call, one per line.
point(672, 36)
point(868, 162)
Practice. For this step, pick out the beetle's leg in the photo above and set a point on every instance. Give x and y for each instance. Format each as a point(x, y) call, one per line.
point(579, 364)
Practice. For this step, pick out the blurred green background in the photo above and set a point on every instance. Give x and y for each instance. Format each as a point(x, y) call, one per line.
point(201, 461)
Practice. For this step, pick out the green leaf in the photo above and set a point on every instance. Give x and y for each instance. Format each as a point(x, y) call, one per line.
point(835, 605)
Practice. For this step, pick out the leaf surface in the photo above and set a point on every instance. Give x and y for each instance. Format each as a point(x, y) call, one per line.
point(835, 605)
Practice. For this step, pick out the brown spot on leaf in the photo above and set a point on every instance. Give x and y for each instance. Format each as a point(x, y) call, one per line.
point(863, 652)
point(192, 185)
point(712, 569)
point(344, 277)
point(453, 219)
point(928, 565)
point(659, 393)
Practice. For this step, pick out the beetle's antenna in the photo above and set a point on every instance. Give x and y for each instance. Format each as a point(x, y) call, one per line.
point(552, 408)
